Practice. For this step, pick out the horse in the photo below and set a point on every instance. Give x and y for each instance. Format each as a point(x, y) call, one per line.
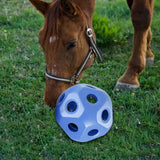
point(68, 41)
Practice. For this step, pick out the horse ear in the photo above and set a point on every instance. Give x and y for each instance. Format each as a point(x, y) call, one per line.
point(68, 7)
point(41, 6)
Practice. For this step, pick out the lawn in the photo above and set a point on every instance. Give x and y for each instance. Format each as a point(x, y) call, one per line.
point(28, 129)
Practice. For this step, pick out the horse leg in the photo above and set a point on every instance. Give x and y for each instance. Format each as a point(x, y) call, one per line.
point(149, 54)
point(141, 14)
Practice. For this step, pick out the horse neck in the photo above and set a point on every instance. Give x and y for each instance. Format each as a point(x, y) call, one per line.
point(88, 8)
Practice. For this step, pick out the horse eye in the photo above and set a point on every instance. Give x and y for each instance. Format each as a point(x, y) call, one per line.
point(71, 45)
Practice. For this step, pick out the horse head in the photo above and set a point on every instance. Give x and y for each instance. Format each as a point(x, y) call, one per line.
point(65, 43)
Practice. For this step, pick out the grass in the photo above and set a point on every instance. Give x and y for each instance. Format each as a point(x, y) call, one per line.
point(28, 128)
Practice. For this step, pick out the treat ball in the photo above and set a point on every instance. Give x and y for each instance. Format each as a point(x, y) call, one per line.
point(84, 112)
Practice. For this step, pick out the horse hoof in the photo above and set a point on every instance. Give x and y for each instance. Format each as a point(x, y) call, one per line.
point(149, 61)
point(125, 87)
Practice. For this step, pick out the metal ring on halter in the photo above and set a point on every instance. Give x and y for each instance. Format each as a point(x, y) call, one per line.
point(74, 80)
point(89, 32)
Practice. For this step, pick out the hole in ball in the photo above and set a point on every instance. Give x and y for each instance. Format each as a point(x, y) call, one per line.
point(93, 132)
point(92, 98)
point(73, 127)
point(105, 115)
point(72, 106)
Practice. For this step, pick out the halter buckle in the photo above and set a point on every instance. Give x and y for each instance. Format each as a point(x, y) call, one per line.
point(74, 80)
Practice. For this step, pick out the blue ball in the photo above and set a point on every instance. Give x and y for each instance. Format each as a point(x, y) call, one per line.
point(84, 112)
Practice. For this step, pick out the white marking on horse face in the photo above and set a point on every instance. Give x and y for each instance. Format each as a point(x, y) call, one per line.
point(54, 65)
point(52, 39)
point(52, 71)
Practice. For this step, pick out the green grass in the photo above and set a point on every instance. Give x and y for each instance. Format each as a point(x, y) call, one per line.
point(28, 129)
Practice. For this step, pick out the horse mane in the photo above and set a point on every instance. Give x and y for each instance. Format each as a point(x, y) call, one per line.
point(53, 19)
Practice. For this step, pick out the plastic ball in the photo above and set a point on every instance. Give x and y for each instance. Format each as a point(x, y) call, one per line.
point(84, 112)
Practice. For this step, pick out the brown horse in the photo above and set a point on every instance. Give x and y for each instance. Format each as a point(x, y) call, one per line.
point(67, 46)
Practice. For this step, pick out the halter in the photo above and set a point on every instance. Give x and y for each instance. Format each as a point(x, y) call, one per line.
point(92, 49)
